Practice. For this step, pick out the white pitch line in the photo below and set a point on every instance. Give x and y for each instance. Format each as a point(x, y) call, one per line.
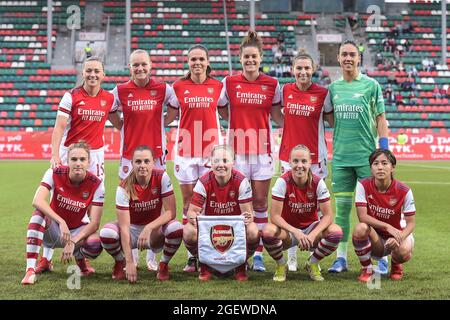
point(430, 167)
point(425, 182)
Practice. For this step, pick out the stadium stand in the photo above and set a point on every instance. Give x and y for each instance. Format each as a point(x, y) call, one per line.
point(416, 91)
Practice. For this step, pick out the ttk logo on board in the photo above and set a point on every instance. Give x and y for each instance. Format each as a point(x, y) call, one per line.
point(222, 237)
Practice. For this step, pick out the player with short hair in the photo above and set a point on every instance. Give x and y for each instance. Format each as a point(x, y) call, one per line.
point(146, 212)
point(386, 213)
point(359, 118)
point(304, 115)
point(253, 98)
point(82, 114)
point(296, 198)
point(195, 102)
point(227, 188)
point(141, 101)
point(60, 223)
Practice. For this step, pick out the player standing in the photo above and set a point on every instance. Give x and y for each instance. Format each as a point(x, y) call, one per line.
point(359, 117)
point(82, 114)
point(253, 98)
point(222, 191)
point(60, 223)
point(141, 101)
point(296, 198)
point(386, 214)
point(304, 114)
point(146, 213)
point(195, 101)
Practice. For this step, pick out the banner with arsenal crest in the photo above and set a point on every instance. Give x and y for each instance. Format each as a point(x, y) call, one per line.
point(222, 242)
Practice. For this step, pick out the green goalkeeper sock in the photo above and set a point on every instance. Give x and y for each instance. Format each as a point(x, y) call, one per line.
point(344, 203)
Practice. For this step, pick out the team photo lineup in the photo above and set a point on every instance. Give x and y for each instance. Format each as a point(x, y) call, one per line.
point(231, 198)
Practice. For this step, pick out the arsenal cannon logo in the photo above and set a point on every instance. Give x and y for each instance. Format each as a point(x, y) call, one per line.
point(222, 237)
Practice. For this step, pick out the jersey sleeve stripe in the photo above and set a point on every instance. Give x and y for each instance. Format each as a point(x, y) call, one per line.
point(169, 193)
point(97, 204)
point(63, 110)
point(245, 200)
point(324, 200)
point(361, 204)
point(409, 214)
point(277, 198)
point(46, 185)
point(122, 208)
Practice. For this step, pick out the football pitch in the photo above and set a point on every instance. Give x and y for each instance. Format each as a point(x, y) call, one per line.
point(427, 275)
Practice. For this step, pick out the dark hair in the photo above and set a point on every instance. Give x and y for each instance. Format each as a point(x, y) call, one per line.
point(306, 149)
point(252, 39)
point(131, 180)
point(303, 56)
point(208, 68)
point(389, 155)
point(81, 144)
point(353, 43)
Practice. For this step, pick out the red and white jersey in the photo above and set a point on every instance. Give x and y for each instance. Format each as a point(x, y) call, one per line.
point(225, 200)
point(198, 128)
point(249, 106)
point(143, 122)
point(389, 207)
point(303, 121)
point(87, 116)
point(300, 205)
point(71, 201)
point(149, 204)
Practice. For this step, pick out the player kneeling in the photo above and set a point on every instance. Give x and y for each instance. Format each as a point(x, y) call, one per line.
point(294, 216)
point(146, 212)
point(223, 191)
point(381, 204)
point(62, 222)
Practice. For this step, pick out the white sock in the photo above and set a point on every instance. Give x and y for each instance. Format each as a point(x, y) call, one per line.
point(342, 250)
point(150, 255)
point(292, 253)
point(47, 253)
point(135, 253)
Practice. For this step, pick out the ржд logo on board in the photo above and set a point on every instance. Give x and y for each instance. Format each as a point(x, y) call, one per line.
point(222, 237)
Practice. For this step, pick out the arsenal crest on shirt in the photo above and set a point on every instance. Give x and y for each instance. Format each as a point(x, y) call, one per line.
point(85, 195)
point(154, 191)
point(392, 202)
point(153, 93)
point(102, 103)
point(313, 99)
point(263, 88)
point(222, 237)
point(232, 194)
point(310, 194)
point(210, 90)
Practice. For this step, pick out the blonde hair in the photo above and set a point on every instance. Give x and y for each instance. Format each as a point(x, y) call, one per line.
point(129, 182)
point(139, 51)
point(222, 147)
point(302, 147)
point(252, 39)
point(81, 144)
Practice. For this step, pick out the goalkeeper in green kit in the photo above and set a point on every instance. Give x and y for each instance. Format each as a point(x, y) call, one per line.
point(359, 119)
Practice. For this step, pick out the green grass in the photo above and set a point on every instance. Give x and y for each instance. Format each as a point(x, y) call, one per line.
point(426, 275)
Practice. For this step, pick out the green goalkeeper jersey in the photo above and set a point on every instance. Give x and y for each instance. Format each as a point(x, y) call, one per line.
point(356, 106)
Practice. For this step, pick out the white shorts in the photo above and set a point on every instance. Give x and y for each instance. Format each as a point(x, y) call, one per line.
point(125, 166)
point(319, 169)
point(306, 231)
point(388, 252)
point(188, 170)
point(255, 167)
point(96, 162)
point(52, 235)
